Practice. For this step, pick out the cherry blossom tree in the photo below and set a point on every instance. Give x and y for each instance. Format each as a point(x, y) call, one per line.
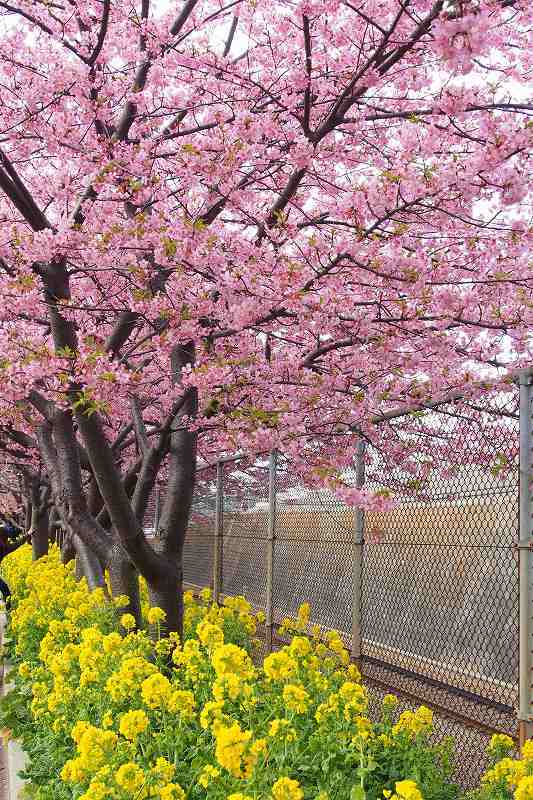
point(245, 225)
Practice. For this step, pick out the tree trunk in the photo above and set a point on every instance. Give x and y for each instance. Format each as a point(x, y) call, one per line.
point(124, 580)
point(41, 532)
point(28, 513)
point(167, 593)
point(68, 553)
point(88, 563)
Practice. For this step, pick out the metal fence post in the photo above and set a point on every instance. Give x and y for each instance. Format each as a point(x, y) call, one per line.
point(525, 718)
point(219, 533)
point(359, 525)
point(271, 535)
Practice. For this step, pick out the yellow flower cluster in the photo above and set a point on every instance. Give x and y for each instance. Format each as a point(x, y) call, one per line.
point(287, 789)
point(132, 723)
point(507, 770)
point(280, 666)
point(510, 774)
point(232, 746)
point(156, 690)
point(351, 700)
point(500, 742)
point(208, 775)
point(524, 789)
point(94, 746)
point(296, 698)
point(170, 718)
point(300, 623)
point(414, 722)
point(404, 790)
point(228, 659)
point(282, 729)
point(128, 679)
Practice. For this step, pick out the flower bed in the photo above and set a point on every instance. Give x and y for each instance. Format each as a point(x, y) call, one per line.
point(104, 711)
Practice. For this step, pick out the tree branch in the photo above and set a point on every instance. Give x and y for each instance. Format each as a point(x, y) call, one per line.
point(138, 424)
point(182, 463)
point(101, 34)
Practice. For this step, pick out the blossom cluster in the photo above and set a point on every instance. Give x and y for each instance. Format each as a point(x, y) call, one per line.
point(337, 213)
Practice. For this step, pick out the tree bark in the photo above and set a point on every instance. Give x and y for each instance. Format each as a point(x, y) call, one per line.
point(167, 591)
point(68, 551)
point(65, 483)
point(39, 517)
point(89, 564)
point(41, 532)
point(124, 580)
point(117, 502)
point(27, 514)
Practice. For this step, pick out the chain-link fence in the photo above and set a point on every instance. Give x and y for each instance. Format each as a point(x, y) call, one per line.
point(425, 595)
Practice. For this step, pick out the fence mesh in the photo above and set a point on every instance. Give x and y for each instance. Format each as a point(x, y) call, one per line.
point(438, 580)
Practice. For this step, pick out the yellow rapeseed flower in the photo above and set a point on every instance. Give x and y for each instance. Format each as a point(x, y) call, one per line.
point(79, 729)
point(130, 777)
point(182, 702)
point(524, 790)
point(527, 750)
point(132, 723)
point(390, 701)
point(163, 769)
point(231, 744)
point(279, 666)
point(229, 659)
point(208, 774)
point(128, 621)
point(300, 646)
point(408, 790)
point(211, 713)
point(287, 789)
point(156, 691)
point(155, 615)
point(121, 600)
point(209, 634)
point(282, 729)
point(414, 722)
point(96, 791)
point(73, 771)
point(24, 670)
point(107, 720)
point(172, 791)
point(304, 613)
point(296, 698)
point(500, 741)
